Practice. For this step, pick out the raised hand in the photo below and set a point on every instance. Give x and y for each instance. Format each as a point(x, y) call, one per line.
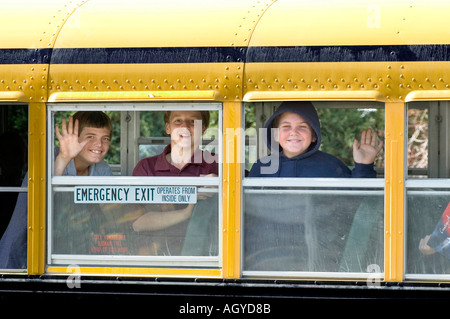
point(69, 145)
point(365, 151)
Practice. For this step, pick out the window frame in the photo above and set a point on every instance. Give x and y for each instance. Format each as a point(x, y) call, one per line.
point(437, 135)
point(67, 183)
point(18, 189)
point(377, 186)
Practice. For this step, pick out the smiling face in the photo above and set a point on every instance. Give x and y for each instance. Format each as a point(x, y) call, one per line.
point(183, 130)
point(294, 134)
point(97, 147)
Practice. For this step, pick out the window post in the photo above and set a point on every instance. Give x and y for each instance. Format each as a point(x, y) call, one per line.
point(231, 189)
point(36, 187)
point(394, 191)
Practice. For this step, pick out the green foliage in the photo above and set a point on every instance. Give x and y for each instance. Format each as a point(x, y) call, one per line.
point(249, 110)
point(114, 146)
point(152, 124)
point(17, 120)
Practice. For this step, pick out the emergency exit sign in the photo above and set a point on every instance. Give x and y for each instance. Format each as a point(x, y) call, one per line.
point(136, 194)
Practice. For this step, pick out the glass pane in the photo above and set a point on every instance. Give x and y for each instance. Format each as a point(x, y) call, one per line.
point(428, 136)
point(153, 137)
point(321, 230)
point(418, 142)
point(340, 124)
point(427, 216)
point(157, 147)
point(150, 150)
point(13, 158)
point(117, 224)
point(152, 124)
point(134, 229)
point(427, 210)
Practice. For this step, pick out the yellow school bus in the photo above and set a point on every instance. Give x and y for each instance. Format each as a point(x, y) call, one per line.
point(362, 64)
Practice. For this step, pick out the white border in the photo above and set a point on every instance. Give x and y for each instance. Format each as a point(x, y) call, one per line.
point(315, 182)
point(128, 261)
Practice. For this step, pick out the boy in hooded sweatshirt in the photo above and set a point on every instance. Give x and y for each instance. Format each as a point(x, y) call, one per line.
point(296, 128)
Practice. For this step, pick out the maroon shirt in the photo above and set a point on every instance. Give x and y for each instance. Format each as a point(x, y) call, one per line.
point(159, 166)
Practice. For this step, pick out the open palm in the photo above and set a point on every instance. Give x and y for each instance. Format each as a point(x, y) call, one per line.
point(68, 139)
point(365, 151)
point(69, 146)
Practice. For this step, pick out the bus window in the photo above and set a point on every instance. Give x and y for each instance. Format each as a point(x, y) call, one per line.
point(427, 188)
point(301, 215)
point(163, 209)
point(13, 186)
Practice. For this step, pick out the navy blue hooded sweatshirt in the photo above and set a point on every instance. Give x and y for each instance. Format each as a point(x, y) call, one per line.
point(311, 163)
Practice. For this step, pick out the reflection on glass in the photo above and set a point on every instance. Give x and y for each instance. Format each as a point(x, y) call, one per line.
point(320, 230)
point(107, 229)
point(425, 210)
point(155, 149)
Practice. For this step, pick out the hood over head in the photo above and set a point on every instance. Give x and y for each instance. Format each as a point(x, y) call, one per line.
point(308, 112)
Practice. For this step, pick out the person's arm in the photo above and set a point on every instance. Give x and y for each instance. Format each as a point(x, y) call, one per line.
point(69, 146)
point(162, 220)
point(424, 247)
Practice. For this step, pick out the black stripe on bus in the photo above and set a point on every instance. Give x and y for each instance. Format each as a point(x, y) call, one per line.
point(148, 55)
point(25, 56)
point(367, 53)
point(380, 53)
point(122, 55)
